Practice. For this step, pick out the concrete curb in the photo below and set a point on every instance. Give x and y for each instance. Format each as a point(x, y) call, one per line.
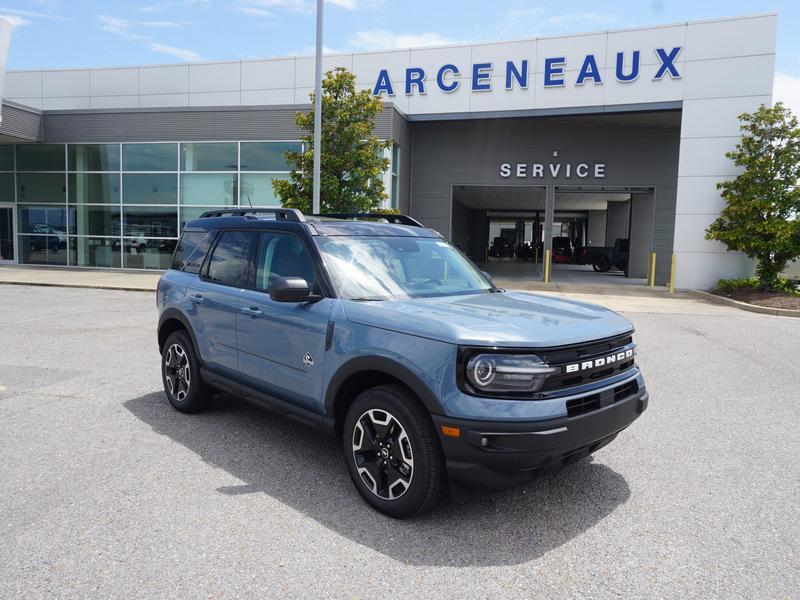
point(80, 286)
point(764, 310)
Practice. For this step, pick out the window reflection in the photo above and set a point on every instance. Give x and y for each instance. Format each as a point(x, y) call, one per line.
point(150, 188)
point(94, 252)
point(150, 221)
point(209, 156)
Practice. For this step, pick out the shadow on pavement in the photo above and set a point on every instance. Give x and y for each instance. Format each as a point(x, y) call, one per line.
point(305, 470)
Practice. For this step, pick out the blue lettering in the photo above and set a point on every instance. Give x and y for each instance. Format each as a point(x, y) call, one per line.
point(621, 76)
point(415, 76)
point(667, 63)
point(383, 84)
point(447, 87)
point(512, 73)
point(589, 70)
point(480, 73)
point(554, 71)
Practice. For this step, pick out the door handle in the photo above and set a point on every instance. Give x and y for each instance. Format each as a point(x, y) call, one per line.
point(253, 312)
point(196, 298)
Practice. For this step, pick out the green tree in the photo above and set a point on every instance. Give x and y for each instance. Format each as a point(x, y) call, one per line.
point(763, 202)
point(352, 155)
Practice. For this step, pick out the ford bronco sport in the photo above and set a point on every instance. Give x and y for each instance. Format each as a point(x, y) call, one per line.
point(380, 332)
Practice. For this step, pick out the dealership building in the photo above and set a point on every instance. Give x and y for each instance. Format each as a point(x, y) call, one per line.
point(591, 138)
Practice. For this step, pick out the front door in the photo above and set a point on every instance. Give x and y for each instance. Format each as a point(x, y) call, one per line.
point(7, 249)
point(282, 344)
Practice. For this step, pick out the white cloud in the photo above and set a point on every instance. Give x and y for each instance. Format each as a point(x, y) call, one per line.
point(256, 12)
point(530, 22)
point(126, 30)
point(380, 39)
point(354, 4)
point(572, 19)
point(182, 53)
point(301, 6)
point(267, 8)
point(117, 25)
point(16, 20)
point(32, 13)
point(787, 90)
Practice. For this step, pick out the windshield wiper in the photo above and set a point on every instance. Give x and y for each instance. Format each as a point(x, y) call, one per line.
point(369, 299)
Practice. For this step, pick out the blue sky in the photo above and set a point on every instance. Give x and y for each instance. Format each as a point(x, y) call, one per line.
point(88, 33)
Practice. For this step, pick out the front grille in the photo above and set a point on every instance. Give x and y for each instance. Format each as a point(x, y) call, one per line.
point(561, 357)
point(592, 402)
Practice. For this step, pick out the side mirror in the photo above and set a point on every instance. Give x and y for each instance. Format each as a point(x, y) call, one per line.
point(289, 289)
point(487, 275)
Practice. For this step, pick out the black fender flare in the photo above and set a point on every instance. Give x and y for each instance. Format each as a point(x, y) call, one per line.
point(384, 365)
point(173, 314)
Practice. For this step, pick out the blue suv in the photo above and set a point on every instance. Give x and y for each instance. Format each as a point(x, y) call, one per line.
point(377, 330)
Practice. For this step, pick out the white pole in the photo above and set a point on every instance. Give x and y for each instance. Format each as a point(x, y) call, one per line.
point(318, 111)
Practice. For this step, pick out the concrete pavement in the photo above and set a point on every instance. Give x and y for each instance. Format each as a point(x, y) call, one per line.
point(620, 298)
point(107, 492)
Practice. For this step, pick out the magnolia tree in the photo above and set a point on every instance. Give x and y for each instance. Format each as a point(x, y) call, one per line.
point(353, 160)
point(763, 202)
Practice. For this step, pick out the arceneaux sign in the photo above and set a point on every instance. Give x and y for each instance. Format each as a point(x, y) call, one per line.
point(516, 73)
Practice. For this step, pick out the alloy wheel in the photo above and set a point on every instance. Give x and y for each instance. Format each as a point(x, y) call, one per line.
point(382, 454)
point(177, 372)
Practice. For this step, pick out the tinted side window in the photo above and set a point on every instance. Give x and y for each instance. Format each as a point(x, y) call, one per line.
point(282, 255)
point(191, 251)
point(230, 262)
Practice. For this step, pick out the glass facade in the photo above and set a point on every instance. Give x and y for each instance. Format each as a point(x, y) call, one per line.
point(124, 205)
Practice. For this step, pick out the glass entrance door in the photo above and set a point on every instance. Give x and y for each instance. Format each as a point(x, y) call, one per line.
point(7, 253)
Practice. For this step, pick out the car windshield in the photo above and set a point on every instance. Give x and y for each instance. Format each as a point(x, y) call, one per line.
point(382, 268)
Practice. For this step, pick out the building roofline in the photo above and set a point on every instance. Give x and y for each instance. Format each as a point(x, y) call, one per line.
point(412, 48)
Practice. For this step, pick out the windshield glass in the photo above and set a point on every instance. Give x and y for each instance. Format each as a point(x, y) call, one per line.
point(380, 268)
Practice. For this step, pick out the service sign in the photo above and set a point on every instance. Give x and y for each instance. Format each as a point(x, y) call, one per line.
point(556, 73)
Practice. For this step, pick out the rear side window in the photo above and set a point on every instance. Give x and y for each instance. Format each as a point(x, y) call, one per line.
point(191, 251)
point(230, 262)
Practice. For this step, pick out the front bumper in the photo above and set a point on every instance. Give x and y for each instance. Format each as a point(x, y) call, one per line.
point(503, 454)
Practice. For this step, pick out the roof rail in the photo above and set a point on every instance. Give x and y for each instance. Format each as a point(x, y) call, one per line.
point(393, 218)
point(281, 214)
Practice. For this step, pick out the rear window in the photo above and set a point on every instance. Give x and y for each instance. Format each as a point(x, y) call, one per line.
point(230, 262)
point(192, 249)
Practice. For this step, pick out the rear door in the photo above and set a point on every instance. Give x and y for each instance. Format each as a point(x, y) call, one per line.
point(214, 297)
point(282, 344)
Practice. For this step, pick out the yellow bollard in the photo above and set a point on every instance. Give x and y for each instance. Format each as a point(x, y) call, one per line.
point(547, 266)
point(672, 275)
point(652, 269)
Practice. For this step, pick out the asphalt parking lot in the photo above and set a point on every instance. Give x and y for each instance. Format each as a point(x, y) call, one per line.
point(106, 491)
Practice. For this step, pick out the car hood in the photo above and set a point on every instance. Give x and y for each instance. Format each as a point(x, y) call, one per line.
point(511, 319)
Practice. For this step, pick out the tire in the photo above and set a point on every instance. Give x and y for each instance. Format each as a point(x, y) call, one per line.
point(601, 264)
point(180, 373)
point(413, 478)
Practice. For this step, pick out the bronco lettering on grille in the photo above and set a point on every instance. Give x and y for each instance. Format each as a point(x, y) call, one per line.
point(599, 362)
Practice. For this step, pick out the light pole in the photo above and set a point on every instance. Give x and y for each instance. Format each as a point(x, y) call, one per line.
point(318, 112)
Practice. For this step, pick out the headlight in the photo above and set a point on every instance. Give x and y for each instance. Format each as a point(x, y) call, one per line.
point(507, 373)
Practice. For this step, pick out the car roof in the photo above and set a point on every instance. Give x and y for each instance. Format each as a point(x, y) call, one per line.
point(312, 225)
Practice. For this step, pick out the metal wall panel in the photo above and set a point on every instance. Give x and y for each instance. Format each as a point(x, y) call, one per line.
point(639, 150)
point(142, 125)
point(401, 134)
point(21, 123)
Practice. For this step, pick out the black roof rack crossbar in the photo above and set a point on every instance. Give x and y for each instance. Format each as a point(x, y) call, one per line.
point(281, 214)
point(389, 217)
